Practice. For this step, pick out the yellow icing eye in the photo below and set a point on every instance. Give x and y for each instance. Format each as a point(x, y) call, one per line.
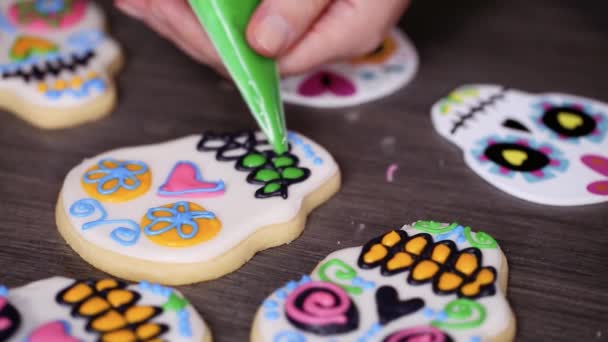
point(391, 239)
point(416, 245)
point(181, 224)
point(424, 270)
point(117, 181)
point(375, 254)
point(382, 54)
point(569, 120)
point(399, 260)
point(515, 157)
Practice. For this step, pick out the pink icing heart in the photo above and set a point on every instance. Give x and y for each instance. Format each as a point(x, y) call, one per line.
point(57, 331)
point(324, 81)
point(185, 180)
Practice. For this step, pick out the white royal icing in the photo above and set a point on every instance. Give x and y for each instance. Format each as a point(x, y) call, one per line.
point(475, 116)
point(240, 212)
point(37, 305)
point(372, 81)
point(89, 32)
point(273, 324)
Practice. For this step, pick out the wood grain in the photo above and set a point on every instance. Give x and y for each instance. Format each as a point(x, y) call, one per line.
point(558, 257)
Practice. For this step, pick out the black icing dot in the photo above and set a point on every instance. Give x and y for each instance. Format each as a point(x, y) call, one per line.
point(515, 125)
point(517, 157)
point(568, 121)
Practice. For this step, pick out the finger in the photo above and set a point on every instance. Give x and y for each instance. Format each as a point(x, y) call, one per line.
point(133, 8)
point(349, 28)
point(277, 24)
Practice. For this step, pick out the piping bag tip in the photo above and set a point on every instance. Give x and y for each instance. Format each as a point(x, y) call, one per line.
point(256, 76)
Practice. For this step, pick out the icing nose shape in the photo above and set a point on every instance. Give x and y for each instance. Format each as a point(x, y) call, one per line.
point(26, 47)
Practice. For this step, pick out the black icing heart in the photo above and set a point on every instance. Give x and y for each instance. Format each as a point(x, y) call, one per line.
point(391, 308)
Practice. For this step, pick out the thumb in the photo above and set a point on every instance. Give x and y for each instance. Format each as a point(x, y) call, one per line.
point(277, 24)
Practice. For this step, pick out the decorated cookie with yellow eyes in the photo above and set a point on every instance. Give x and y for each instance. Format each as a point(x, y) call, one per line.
point(56, 62)
point(192, 209)
point(64, 310)
point(425, 282)
point(545, 148)
point(378, 74)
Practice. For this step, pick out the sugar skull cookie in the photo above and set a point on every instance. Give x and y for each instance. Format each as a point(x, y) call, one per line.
point(382, 72)
point(56, 62)
point(65, 310)
point(425, 282)
point(192, 209)
point(546, 148)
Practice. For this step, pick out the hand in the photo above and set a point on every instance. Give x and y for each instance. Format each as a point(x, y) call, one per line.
point(301, 34)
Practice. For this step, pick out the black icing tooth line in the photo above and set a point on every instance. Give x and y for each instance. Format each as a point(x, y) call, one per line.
point(463, 118)
point(54, 68)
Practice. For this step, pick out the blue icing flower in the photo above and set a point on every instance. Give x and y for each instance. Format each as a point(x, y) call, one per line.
point(49, 6)
point(178, 216)
point(118, 175)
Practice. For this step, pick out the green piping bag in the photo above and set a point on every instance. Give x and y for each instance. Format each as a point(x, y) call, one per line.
point(256, 76)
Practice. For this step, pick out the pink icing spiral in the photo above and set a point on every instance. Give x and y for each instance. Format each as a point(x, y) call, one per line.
point(417, 334)
point(318, 304)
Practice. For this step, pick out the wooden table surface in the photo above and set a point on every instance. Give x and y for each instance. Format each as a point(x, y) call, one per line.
point(558, 284)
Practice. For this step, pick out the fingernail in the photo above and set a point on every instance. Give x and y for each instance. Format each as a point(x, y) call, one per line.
point(129, 8)
point(272, 33)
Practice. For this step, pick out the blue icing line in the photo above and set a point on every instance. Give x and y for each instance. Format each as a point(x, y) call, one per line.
point(126, 236)
point(270, 304)
point(292, 285)
point(370, 333)
point(271, 315)
point(281, 294)
point(94, 83)
point(428, 313)
point(120, 174)
point(184, 323)
point(5, 25)
point(176, 219)
point(289, 336)
point(3, 291)
point(475, 339)
point(305, 279)
point(307, 148)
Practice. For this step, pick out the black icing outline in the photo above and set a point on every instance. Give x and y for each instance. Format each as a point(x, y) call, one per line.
point(53, 68)
point(477, 109)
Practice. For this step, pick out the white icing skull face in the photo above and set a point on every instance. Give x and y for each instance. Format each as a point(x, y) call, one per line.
point(64, 310)
point(380, 73)
point(54, 53)
point(547, 148)
point(185, 204)
point(426, 282)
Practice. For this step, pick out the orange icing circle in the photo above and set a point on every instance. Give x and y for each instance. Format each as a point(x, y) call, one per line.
point(382, 54)
point(103, 180)
point(207, 228)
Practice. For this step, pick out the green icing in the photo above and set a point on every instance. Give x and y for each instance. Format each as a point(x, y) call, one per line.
point(175, 303)
point(266, 175)
point(272, 187)
point(254, 160)
point(292, 173)
point(282, 161)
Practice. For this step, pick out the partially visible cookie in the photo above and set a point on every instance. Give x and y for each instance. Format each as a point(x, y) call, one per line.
point(65, 310)
point(425, 282)
point(192, 209)
point(56, 62)
point(367, 78)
